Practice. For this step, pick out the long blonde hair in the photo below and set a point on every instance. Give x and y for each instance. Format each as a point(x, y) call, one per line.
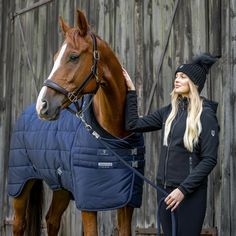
point(193, 123)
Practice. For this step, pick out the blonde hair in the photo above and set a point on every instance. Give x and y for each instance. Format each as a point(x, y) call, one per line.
point(193, 123)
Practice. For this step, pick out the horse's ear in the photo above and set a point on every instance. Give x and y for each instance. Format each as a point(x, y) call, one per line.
point(82, 23)
point(63, 25)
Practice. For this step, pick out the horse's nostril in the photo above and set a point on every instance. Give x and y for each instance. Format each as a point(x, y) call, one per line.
point(44, 109)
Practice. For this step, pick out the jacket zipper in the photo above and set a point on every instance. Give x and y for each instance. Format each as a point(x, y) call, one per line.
point(167, 154)
point(190, 164)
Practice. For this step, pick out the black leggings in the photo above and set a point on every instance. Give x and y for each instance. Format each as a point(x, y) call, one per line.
point(189, 214)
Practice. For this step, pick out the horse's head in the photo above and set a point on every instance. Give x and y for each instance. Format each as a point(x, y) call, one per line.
point(74, 72)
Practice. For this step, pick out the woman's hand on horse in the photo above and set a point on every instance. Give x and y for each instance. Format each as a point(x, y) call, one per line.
point(174, 199)
point(129, 83)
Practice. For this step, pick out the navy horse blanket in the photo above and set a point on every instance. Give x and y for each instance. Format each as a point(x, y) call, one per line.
point(66, 156)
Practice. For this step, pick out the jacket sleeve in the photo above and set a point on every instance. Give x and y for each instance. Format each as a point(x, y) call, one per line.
point(140, 124)
point(209, 142)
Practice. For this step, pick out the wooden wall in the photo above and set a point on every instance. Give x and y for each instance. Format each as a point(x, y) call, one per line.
point(137, 31)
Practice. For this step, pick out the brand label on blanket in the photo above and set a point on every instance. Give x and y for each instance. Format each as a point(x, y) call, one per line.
point(105, 164)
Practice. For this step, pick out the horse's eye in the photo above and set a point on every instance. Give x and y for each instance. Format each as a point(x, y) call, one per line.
point(73, 57)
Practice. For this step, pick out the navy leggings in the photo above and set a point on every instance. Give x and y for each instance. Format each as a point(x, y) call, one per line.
point(189, 214)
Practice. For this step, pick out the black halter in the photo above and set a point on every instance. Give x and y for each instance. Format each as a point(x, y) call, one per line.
point(73, 96)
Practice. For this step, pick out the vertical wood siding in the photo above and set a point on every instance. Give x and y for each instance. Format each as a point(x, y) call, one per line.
point(136, 30)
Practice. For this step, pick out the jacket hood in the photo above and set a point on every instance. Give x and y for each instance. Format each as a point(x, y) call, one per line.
point(210, 104)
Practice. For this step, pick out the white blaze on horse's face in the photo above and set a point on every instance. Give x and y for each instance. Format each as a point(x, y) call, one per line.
point(40, 101)
point(58, 61)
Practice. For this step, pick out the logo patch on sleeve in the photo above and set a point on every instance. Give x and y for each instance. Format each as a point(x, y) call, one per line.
point(213, 132)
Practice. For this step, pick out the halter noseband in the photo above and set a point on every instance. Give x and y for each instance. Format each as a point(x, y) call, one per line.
point(73, 96)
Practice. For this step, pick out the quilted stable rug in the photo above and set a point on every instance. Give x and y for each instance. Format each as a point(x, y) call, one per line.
point(65, 155)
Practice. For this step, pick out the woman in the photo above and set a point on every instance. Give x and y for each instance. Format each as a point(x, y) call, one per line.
point(189, 145)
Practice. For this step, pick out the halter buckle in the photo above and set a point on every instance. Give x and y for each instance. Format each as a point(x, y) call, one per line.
point(96, 55)
point(72, 97)
point(97, 79)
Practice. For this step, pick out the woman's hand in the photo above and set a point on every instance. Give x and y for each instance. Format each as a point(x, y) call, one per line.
point(129, 83)
point(174, 199)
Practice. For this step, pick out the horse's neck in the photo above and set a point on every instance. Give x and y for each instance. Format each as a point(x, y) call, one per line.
point(109, 109)
point(109, 101)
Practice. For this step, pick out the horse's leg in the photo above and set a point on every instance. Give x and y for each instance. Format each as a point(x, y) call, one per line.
point(124, 216)
point(60, 201)
point(89, 223)
point(20, 206)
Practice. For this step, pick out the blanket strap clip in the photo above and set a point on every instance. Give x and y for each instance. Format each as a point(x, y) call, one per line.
point(96, 135)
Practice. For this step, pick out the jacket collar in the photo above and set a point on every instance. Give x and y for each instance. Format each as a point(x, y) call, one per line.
point(183, 102)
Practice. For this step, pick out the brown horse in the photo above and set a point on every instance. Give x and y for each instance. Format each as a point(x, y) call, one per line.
point(76, 60)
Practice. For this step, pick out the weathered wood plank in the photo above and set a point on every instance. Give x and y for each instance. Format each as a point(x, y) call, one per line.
point(153, 232)
point(5, 109)
point(233, 127)
point(223, 217)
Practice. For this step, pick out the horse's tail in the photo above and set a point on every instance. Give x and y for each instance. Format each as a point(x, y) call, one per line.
point(34, 210)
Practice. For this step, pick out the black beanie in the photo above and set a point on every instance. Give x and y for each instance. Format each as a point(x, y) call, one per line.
point(198, 69)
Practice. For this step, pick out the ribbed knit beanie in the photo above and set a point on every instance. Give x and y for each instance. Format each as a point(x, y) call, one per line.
point(198, 69)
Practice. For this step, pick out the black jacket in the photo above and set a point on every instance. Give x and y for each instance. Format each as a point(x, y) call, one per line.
point(177, 166)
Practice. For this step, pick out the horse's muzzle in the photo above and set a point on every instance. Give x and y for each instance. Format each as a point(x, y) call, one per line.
point(48, 108)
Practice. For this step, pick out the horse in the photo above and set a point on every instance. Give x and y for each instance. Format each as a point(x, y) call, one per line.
point(84, 65)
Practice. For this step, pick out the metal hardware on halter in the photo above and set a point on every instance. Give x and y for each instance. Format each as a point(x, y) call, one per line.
point(96, 55)
point(72, 97)
point(97, 79)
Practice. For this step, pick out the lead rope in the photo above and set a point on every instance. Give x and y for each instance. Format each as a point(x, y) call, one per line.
point(100, 139)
